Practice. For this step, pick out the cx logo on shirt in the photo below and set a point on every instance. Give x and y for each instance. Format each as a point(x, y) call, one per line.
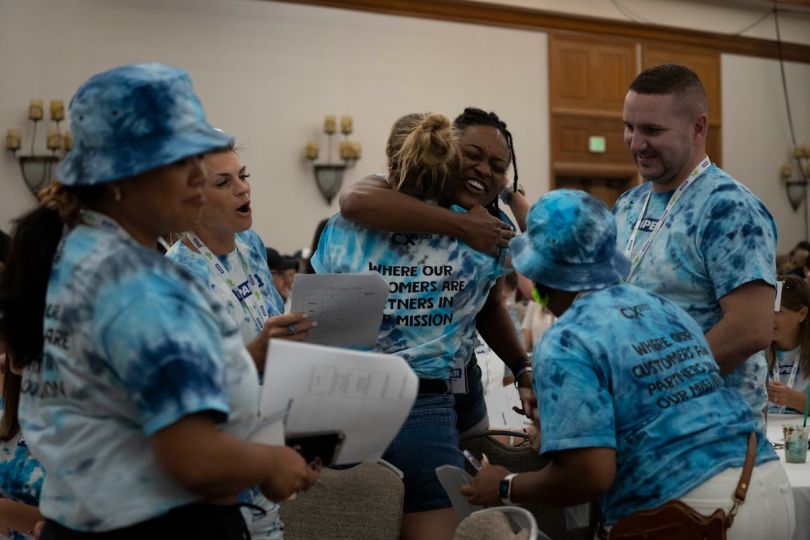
point(403, 239)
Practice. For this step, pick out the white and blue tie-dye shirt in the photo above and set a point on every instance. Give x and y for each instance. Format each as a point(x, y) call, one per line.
point(627, 369)
point(263, 524)
point(21, 476)
point(718, 237)
point(252, 248)
point(132, 344)
point(437, 286)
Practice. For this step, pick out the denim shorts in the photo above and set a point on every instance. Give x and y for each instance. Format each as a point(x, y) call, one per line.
point(471, 409)
point(427, 440)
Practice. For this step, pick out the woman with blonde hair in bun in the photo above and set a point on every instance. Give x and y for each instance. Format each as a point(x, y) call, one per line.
point(438, 285)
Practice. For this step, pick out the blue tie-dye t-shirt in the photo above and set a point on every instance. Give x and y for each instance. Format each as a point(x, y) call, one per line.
point(266, 523)
point(21, 476)
point(718, 237)
point(133, 343)
point(251, 247)
point(627, 369)
point(437, 286)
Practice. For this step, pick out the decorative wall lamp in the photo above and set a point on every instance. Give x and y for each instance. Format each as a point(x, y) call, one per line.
point(796, 188)
point(329, 175)
point(36, 168)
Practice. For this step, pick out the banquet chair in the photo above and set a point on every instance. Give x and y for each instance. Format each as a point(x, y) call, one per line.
point(499, 523)
point(364, 501)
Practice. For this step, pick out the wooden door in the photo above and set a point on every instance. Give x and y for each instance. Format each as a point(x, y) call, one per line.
point(706, 64)
point(588, 80)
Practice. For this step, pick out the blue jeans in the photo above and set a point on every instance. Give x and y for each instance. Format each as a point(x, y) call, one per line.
point(427, 440)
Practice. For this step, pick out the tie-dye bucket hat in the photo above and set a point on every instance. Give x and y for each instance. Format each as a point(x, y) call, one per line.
point(570, 243)
point(132, 119)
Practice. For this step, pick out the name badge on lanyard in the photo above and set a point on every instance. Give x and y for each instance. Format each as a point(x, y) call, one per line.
point(628, 250)
point(254, 303)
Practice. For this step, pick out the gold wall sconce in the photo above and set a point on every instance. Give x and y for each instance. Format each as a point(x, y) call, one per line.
point(37, 168)
point(329, 175)
point(796, 186)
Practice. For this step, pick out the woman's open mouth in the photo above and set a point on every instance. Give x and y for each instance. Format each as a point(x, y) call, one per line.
point(244, 210)
point(475, 186)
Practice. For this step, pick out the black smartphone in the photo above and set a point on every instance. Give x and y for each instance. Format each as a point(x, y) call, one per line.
point(323, 445)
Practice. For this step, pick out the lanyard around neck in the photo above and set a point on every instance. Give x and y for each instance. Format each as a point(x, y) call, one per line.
point(628, 251)
point(253, 304)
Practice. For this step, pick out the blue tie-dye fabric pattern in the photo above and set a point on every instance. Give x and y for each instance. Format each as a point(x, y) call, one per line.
point(626, 369)
point(265, 525)
point(437, 285)
point(718, 237)
point(132, 344)
point(21, 476)
point(251, 245)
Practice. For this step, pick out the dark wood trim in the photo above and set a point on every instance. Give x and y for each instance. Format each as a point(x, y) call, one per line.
point(534, 19)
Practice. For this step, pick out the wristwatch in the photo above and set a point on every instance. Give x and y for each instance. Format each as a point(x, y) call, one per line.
point(505, 489)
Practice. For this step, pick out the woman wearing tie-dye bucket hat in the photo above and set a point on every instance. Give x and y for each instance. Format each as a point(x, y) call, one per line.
point(631, 404)
point(137, 392)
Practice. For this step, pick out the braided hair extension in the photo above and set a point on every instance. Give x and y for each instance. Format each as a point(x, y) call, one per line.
point(473, 116)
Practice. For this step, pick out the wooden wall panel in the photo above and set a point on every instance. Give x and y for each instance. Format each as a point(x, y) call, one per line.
point(548, 21)
point(707, 66)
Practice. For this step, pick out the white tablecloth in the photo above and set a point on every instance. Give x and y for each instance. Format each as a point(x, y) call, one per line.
point(797, 473)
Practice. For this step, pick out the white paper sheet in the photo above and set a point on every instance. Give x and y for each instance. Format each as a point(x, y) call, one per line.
point(348, 307)
point(368, 396)
point(500, 411)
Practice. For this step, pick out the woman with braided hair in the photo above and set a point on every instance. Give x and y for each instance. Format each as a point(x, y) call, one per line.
point(487, 150)
point(439, 286)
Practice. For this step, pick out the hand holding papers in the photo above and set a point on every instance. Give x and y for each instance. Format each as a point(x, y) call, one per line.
point(367, 396)
point(348, 307)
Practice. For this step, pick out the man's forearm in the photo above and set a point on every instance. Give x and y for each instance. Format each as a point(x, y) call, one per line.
point(732, 342)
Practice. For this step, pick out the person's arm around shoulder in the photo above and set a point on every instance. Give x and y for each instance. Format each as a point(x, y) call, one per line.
point(373, 203)
point(746, 326)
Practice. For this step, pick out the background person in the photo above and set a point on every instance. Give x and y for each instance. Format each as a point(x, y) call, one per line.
point(788, 358)
point(21, 475)
point(653, 421)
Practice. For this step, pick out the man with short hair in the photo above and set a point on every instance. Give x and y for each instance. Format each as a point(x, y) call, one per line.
point(693, 233)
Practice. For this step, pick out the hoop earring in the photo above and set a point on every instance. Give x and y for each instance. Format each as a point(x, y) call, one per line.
point(117, 195)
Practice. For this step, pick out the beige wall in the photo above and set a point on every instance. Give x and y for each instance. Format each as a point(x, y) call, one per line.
point(268, 72)
point(756, 137)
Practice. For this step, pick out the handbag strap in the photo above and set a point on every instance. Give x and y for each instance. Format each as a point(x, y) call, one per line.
point(745, 478)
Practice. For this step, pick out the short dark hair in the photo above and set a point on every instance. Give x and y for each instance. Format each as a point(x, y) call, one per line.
point(672, 79)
